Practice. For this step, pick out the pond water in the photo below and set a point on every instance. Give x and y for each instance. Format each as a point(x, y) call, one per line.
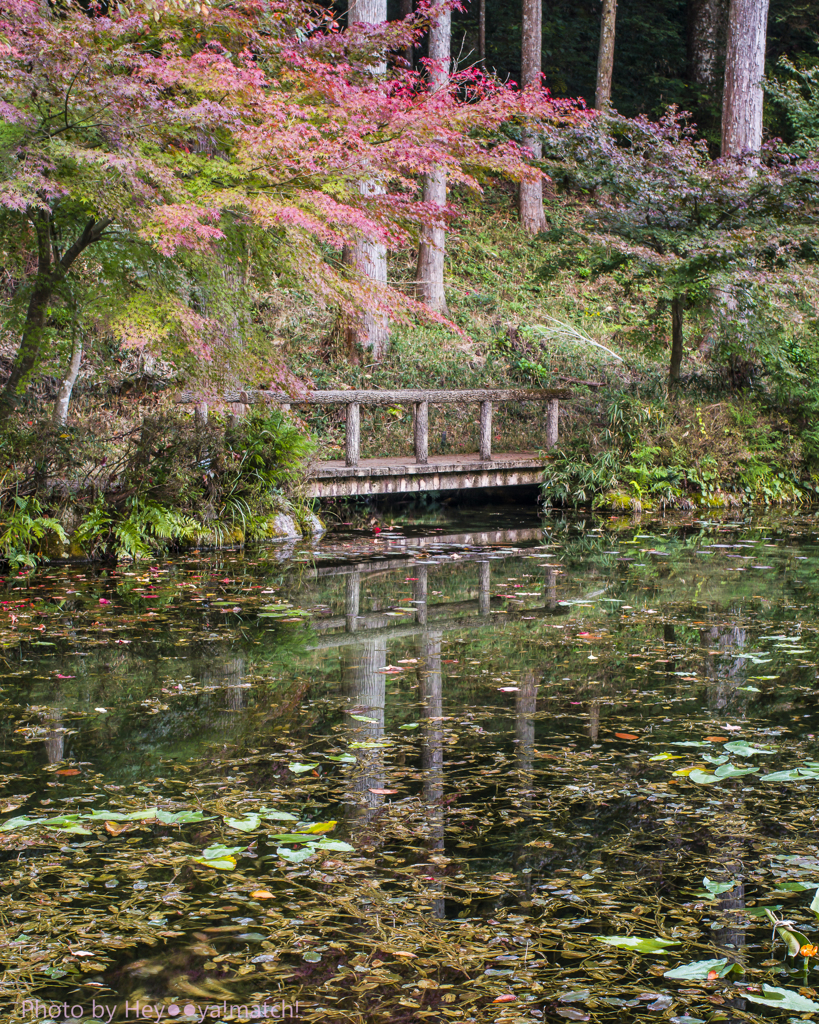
point(480, 767)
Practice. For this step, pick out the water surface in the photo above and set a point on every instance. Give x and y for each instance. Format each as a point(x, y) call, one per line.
point(491, 709)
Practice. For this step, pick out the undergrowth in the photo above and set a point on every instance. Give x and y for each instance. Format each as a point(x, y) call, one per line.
point(169, 483)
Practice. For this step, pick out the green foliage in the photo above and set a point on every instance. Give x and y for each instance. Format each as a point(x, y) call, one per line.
point(169, 484)
point(22, 529)
point(141, 529)
point(655, 453)
point(797, 92)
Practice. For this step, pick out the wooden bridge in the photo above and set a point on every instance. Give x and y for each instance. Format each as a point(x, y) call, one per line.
point(353, 475)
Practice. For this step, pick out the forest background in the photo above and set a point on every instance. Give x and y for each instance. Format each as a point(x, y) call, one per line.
point(664, 269)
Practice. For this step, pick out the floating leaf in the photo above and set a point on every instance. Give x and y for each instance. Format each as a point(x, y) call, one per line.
point(248, 824)
point(700, 969)
point(299, 769)
point(635, 942)
point(270, 814)
point(781, 998)
point(743, 749)
point(296, 856)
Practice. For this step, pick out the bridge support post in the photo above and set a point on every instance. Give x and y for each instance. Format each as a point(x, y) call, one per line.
point(353, 443)
point(552, 414)
point(486, 431)
point(484, 594)
point(422, 433)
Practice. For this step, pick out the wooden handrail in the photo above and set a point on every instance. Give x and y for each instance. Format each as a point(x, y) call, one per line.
point(398, 397)
point(421, 399)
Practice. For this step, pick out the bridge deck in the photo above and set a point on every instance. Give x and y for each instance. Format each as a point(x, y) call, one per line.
point(402, 474)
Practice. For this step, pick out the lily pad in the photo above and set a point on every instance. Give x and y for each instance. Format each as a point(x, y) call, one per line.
point(636, 943)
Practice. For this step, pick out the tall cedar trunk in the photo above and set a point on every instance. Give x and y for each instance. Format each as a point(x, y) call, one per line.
point(605, 55)
point(406, 11)
point(482, 32)
point(50, 274)
point(744, 68)
point(372, 334)
point(532, 217)
point(429, 274)
point(70, 379)
point(706, 33)
point(677, 308)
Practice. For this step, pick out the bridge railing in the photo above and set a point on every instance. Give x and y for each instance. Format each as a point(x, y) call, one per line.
point(420, 399)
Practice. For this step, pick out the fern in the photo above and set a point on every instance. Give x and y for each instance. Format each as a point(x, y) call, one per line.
point(22, 530)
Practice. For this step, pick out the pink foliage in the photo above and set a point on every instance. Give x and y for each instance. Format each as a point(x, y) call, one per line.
point(262, 116)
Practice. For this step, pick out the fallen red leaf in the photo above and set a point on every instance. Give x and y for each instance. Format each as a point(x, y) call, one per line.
point(68, 771)
point(504, 999)
point(383, 792)
point(626, 736)
point(716, 739)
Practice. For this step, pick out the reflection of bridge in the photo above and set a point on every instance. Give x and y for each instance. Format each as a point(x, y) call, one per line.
point(402, 475)
point(363, 638)
point(425, 617)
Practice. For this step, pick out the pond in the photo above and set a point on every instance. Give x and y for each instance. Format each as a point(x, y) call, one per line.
point(476, 767)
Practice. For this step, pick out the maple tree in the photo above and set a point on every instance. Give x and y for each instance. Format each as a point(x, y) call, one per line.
point(209, 136)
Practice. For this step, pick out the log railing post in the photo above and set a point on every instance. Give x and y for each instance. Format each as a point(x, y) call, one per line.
point(353, 443)
point(552, 416)
point(486, 431)
point(422, 433)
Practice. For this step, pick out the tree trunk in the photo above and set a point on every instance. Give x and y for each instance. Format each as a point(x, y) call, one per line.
point(34, 326)
point(744, 69)
point(677, 308)
point(605, 55)
point(70, 379)
point(482, 33)
point(429, 274)
point(706, 34)
point(369, 259)
point(532, 217)
point(406, 11)
point(49, 276)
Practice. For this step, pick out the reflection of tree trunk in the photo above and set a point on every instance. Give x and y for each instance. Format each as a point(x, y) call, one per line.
point(432, 744)
point(230, 674)
point(485, 592)
point(724, 671)
point(352, 597)
point(525, 707)
point(727, 867)
point(419, 593)
point(364, 683)
point(594, 720)
point(551, 588)
point(55, 740)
